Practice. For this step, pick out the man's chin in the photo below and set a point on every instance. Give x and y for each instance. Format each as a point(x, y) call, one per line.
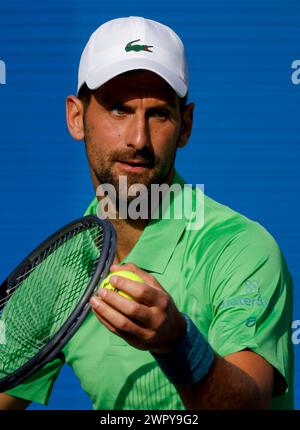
point(125, 181)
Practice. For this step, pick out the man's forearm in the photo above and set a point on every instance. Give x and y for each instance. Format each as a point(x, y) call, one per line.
point(8, 402)
point(225, 386)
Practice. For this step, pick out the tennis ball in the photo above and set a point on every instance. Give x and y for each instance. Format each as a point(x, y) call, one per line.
point(126, 274)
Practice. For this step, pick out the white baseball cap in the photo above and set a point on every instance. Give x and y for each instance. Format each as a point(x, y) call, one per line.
point(132, 43)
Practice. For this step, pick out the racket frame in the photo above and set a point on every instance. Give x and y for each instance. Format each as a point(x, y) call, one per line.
point(70, 326)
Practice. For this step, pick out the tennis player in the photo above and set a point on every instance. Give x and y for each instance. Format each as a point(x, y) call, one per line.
point(209, 326)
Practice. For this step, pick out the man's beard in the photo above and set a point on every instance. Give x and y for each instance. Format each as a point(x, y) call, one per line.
point(155, 173)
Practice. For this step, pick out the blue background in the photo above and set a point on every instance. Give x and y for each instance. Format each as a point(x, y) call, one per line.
point(245, 144)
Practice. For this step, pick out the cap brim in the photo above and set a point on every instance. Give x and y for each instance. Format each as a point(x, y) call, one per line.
point(99, 77)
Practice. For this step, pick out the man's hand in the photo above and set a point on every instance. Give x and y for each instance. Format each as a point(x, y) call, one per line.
point(150, 322)
point(242, 380)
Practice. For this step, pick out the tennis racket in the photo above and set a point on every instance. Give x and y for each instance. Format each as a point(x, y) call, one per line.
point(46, 298)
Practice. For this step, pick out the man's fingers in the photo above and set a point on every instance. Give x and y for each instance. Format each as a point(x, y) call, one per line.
point(116, 321)
point(141, 292)
point(105, 323)
point(132, 309)
point(149, 279)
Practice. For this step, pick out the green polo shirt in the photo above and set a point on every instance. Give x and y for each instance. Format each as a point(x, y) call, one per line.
point(228, 274)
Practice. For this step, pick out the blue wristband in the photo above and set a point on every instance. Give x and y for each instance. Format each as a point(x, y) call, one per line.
point(190, 360)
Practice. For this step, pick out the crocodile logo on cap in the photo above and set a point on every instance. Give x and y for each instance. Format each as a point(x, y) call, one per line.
point(131, 47)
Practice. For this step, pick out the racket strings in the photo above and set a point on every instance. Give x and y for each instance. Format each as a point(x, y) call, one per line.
point(36, 303)
point(21, 278)
point(42, 298)
point(36, 335)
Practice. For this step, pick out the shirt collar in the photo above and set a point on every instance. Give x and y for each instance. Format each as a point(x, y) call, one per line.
point(160, 237)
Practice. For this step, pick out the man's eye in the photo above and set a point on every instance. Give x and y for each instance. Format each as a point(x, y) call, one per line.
point(118, 111)
point(161, 113)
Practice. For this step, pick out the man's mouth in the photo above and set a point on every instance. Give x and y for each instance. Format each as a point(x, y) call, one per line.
point(133, 165)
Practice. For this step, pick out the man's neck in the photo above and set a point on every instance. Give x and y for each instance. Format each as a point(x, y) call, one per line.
point(128, 233)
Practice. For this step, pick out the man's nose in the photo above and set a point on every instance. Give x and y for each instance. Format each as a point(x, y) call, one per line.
point(138, 134)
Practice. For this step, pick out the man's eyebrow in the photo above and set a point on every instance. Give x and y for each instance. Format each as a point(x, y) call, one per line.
point(109, 104)
point(117, 102)
point(104, 102)
point(171, 104)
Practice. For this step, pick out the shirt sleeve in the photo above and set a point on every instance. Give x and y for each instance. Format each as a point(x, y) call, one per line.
point(38, 387)
point(251, 295)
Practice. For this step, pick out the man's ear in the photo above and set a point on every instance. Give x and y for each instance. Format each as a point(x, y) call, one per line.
point(74, 117)
point(186, 125)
